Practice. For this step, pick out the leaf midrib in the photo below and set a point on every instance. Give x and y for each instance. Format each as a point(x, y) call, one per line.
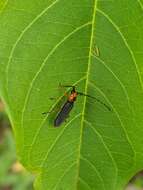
point(86, 88)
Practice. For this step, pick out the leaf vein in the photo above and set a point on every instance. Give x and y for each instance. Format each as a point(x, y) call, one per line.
point(126, 43)
point(106, 147)
point(85, 183)
point(86, 85)
point(140, 3)
point(66, 171)
point(4, 5)
point(118, 80)
point(94, 168)
point(118, 116)
point(58, 137)
point(21, 35)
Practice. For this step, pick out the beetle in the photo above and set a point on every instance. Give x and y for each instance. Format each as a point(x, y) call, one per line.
point(68, 105)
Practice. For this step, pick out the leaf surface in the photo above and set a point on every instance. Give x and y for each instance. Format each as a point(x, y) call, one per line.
point(97, 46)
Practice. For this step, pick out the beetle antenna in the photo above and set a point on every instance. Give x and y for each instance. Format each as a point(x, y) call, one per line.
point(46, 112)
point(107, 107)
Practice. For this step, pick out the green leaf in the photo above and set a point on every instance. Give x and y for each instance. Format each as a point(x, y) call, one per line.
point(97, 46)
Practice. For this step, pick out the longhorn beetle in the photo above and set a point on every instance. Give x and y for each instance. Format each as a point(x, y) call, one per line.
point(68, 105)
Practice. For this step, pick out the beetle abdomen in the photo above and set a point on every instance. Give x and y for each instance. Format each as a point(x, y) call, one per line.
point(63, 114)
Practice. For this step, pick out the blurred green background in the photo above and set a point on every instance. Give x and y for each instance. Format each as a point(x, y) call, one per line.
point(12, 174)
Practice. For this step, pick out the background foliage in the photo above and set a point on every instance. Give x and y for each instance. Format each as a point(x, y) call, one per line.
point(12, 175)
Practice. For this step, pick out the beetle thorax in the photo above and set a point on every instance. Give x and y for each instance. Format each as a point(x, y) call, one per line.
point(72, 97)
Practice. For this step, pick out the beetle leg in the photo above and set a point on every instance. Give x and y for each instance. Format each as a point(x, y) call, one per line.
point(66, 94)
point(66, 86)
point(45, 113)
point(51, 111)
point(52, 98)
